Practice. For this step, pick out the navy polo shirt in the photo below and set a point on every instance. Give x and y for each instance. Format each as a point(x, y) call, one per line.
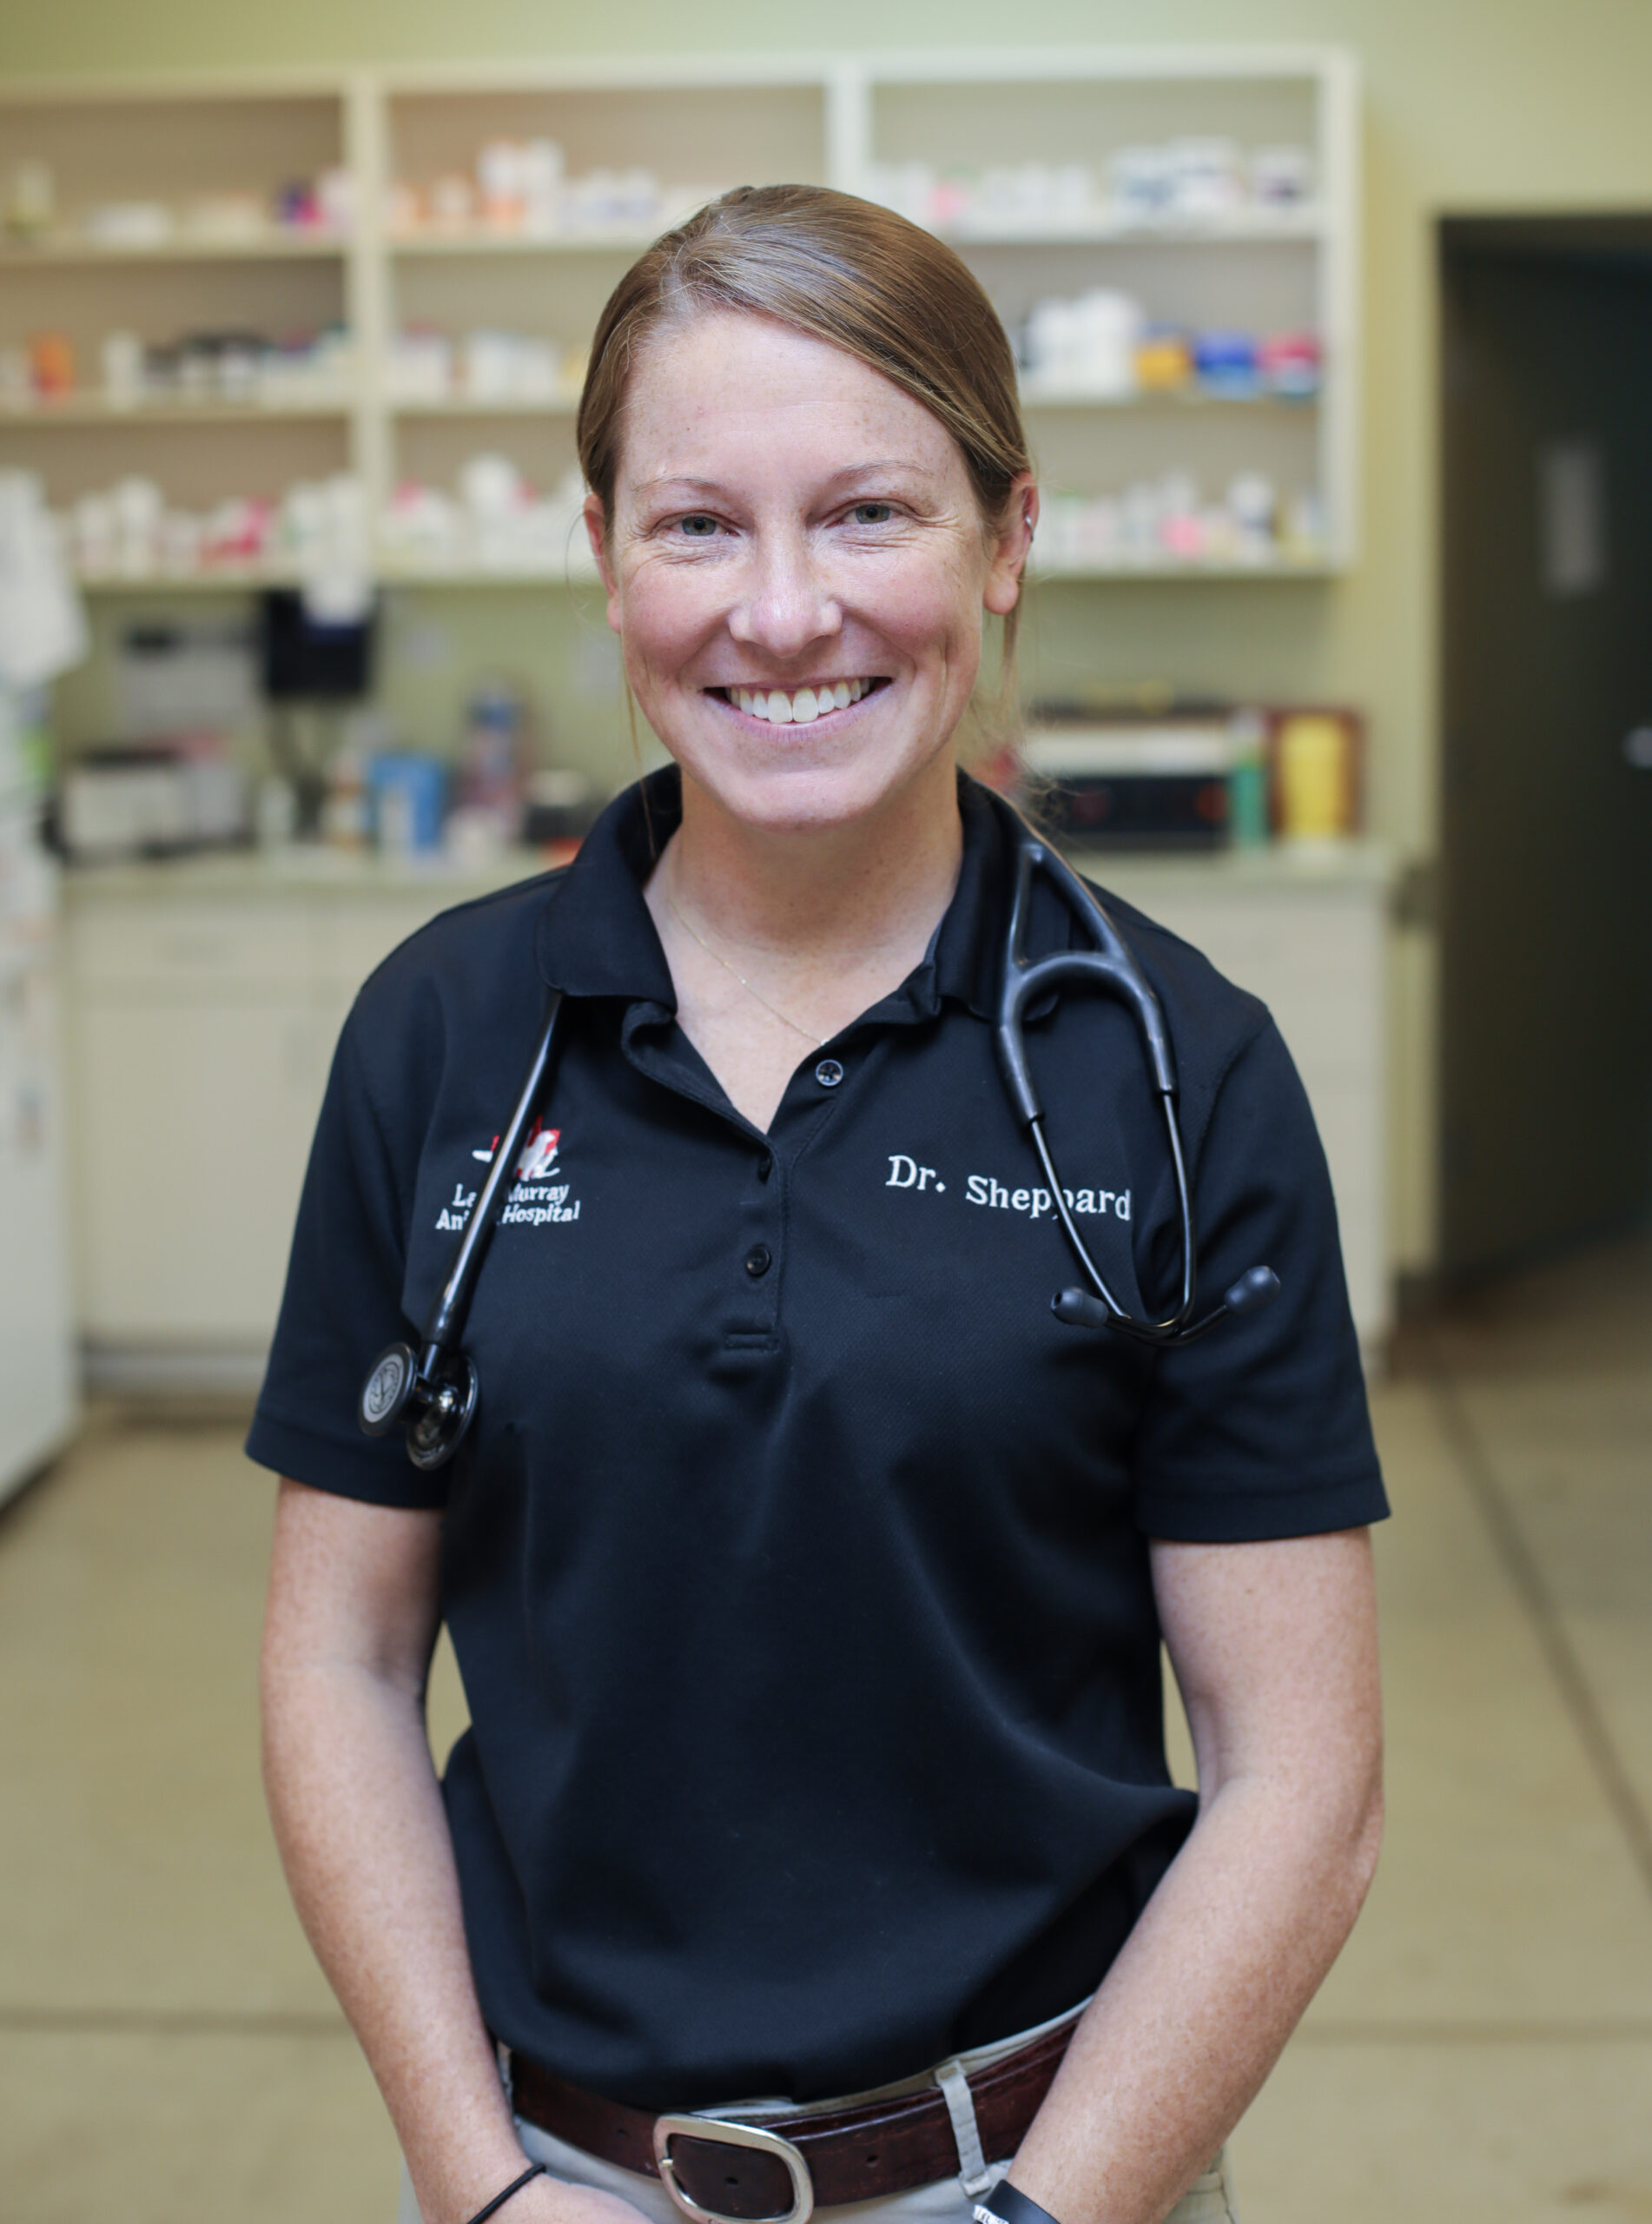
point(796, 1564)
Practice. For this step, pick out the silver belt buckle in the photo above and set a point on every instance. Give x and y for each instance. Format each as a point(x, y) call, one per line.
point(667, 2129)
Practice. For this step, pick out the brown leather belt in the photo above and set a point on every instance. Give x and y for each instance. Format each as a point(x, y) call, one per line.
point(781, 2168)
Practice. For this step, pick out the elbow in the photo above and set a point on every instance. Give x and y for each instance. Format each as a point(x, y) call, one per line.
point(1367, 1846)
point(1361, 1839)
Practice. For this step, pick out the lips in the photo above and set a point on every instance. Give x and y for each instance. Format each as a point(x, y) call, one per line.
point(797, 706)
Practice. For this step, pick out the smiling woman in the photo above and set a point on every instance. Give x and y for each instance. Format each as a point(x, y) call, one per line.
point(809, 486)
point(808, 1576)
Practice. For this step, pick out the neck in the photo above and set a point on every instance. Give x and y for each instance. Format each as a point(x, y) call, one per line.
point(844, 893)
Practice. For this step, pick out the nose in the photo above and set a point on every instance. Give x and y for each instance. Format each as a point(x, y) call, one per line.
point(787, 605)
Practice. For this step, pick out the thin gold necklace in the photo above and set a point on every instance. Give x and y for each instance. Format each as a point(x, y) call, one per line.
point(785, 1018)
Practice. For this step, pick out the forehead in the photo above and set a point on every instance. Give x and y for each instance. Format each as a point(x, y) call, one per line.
point(726, 391)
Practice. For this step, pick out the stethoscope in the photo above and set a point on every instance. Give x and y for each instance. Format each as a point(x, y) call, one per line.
point(432, 1390)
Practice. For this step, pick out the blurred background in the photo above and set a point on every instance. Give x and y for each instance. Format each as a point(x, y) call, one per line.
point(1334, 321)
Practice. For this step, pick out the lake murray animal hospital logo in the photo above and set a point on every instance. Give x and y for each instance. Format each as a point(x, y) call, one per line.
point(537, 1199)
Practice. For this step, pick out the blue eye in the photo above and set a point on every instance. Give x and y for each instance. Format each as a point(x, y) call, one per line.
point(873, 512)
point(699, 527)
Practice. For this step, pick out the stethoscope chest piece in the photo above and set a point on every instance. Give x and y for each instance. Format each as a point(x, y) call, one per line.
point(432, 1390)
point(434, 1409)
point(387, 1389)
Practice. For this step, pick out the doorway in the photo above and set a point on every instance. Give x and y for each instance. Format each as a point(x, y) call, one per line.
point(1546, 1003)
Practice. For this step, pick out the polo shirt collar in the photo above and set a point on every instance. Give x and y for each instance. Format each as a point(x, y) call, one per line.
point(596, 938)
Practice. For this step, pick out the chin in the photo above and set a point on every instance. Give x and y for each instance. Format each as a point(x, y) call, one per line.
point(780, 797)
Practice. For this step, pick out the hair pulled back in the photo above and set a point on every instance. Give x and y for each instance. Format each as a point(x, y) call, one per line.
point(841, 270)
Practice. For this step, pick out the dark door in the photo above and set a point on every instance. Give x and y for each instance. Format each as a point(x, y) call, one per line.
point(1547, 921)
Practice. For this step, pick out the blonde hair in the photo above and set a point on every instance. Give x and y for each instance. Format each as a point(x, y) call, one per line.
point(841, 270)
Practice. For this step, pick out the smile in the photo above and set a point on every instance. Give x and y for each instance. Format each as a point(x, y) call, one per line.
point(797, 706)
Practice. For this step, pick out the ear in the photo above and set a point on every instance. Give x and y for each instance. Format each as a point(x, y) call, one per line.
point(1012, 547)
point(596, 533)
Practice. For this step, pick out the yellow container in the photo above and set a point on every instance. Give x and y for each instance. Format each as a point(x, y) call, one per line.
point(1314, 773)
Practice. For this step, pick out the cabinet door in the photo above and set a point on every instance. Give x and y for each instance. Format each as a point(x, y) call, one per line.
point(37, 1391)
point(1316, 959)
point(193, 1119)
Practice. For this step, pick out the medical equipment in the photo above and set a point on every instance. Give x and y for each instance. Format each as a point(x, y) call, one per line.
point(432, 1391)
point(1111, 967)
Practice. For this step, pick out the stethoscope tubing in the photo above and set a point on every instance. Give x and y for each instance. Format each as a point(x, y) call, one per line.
point(446, 1325)
point(1110, 965)
point(435, 1393)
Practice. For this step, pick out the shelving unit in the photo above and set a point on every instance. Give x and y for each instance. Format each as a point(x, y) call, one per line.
point(97, 409)
point(275, 247)
point(848, 119)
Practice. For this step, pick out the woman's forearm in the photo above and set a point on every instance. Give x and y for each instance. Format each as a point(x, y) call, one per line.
point(1199, 2005)
point(1274, 1646)
point(365, 1843)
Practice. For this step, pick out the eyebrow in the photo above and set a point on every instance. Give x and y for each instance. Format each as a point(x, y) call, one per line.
point(851, 475)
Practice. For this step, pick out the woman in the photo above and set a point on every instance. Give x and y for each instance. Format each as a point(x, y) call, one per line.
point(807, 1577)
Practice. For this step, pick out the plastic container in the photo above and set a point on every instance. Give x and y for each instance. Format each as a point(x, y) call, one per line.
point(1247, 782)
point(491, 759)
point(408, 790)
point(1314, 770)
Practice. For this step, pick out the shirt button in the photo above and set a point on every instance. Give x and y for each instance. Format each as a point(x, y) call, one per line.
point(759, 1259)
point(828, 1073)
point(765, 1166)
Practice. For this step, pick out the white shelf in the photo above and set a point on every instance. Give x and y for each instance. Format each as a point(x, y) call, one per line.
point(97, 409)
point(1032, 397)
point(458, 405)
point(252, 577)
point(272, 246)
point(1243, 225)
point(231, 579)
point(488, 575)
point(626, 242)
point(1191, 397)
point(1155, 568)
point(1101, 230)
point(1289, 267)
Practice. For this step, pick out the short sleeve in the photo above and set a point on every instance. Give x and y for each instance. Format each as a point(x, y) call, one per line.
point(342, 1303)
point(1260, 1429)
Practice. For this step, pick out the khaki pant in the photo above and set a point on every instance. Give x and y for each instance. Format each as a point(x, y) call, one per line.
point(1209, 2200)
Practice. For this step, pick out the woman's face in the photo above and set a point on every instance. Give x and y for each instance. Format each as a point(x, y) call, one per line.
point(797, 570)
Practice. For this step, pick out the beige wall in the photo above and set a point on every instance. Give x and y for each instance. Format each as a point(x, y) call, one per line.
point(1488, 105)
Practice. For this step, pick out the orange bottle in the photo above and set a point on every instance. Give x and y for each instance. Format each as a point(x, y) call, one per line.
point(51, 364)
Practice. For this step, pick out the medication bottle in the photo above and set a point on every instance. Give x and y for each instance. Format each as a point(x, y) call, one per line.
point(1247, 781)
point(492, 759)
point(345, 814)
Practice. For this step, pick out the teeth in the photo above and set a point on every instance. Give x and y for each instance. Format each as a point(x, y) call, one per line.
point(802, 708)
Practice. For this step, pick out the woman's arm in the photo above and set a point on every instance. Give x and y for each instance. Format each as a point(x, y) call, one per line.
point(1274, 1647)
point(350, 1624)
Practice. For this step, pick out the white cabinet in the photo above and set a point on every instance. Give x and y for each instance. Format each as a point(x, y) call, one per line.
point(193, 1121)
point(1309, 936)
point(205, 1008)
point(38, 1400)
point(203, 1023)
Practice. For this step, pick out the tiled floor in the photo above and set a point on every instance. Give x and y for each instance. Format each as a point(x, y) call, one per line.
point(1483, 2050)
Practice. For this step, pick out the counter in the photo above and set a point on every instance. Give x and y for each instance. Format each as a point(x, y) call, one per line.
point(205, 998)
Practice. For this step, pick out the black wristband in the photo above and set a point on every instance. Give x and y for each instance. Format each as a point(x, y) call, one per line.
point(534, 2170)
point(1005, 2204)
